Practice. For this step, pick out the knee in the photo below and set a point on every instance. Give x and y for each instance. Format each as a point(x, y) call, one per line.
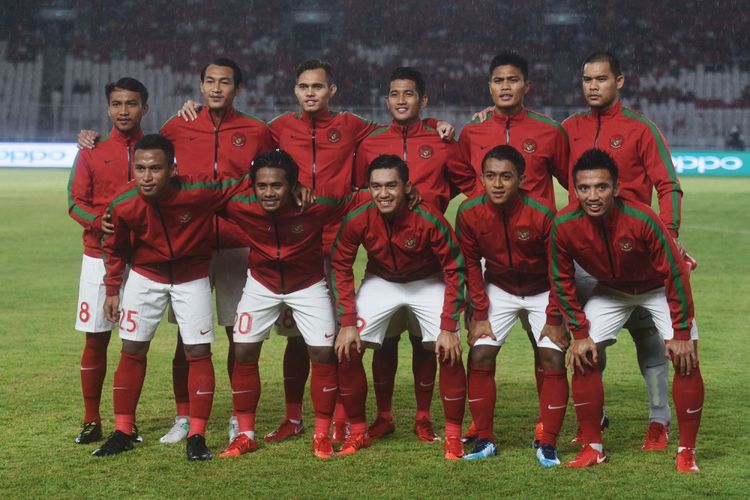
point(483, 357)
point(197, 350)
point(135, 348)
point(295, 342)
point(247, 352)
point(323, 355)
point(551, 359)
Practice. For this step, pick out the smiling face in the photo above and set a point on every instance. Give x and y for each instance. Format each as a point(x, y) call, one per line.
point(601, 87)
point(126, 109)
point(508, 88)
point(152, 172)
point(313, 91)
point(500, 180)
point(218, 87)
point(272, 189)
point(596, 191)
point(389, 192)
point(404, 102)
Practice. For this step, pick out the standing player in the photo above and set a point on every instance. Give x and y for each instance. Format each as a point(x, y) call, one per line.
point(510, 231)
point(542, 142)
point(413, 260)
point(161, 228)
point(629, 250)
point(645, 163)
point(437, 169)
point(94, 179)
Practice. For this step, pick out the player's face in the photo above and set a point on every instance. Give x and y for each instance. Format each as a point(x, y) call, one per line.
point(508, 88)
point(313, 91)
point(601, 87)
point(595, 191)
point(272, 189)
point(126, 109)
point(500, 180)
point(218, 87)
point(152, 172)
point(404, 102)
point(388, 191)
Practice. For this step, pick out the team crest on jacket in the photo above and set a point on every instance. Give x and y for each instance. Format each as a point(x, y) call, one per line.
point(410, 242)
point(334, 135)
point(185, 218)
point(297, 228)
point(524, 233)
point(529, 146)
point(425, 151)
point(239, 140)
point(625, 244)
point(616, 141)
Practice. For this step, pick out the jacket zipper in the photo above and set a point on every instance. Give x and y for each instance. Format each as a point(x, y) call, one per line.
point(609, 251)
point(217, 126)
point(314, 156)
point(510, 250)
point(405, 128)
point(278, 255)
point(130, 162)
point(598, 126)
point(389, 229)
point(169, 243)
point(507, 130)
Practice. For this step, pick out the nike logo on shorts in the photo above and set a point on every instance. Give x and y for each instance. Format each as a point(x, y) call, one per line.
point(330, 389)
point(550, 407)
point(204, 332)
point(329, 335)
point(203, 393)
point(690, 410)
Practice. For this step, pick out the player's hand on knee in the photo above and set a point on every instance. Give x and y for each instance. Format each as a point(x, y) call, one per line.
point(445, 130)
point(189, 110)
point(557, 334)
point(448, 347)
point(348, 336)
point(112, 308)
point(479, 329)
point(684, 357)
point(86, 139)
point(578, 354)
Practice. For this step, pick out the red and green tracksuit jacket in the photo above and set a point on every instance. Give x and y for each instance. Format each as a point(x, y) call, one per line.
point(417, 244)
point(97, 175)
point(541, 140)
point(436, 167)
point(628, 249)
point(641, 154)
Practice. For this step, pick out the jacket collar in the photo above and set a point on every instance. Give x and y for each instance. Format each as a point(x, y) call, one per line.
point(515, 118)
point(512, 207)
point(205, 115)
point(321, 119)
point(118, 136)
point(611, 111)
point(409, 130)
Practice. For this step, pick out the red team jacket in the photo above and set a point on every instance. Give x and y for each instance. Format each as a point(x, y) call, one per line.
point(630, 250)
point(208, 149)
point(286, 248)
point(434, 165)
point(96, 176)
point(641, 153)
point(540, 139)
point(512, 240)
point(419, 244)
point(166, 240)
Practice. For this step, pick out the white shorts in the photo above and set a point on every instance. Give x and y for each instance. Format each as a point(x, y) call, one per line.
point(403, 320)
point(285, 325)
point(259, 308)
point(608, 309)
point(378, 301)
point(506, 308)
point(91, 296)
point(144, 301)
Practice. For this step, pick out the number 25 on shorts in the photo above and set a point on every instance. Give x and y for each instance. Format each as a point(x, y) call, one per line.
point(127, 320)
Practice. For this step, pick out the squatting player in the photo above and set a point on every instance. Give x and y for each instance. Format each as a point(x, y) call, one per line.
point(629, 250)
point(161, 227)
point(94, 179)
point(510, 231)
point(437, 169)
point(413, 260)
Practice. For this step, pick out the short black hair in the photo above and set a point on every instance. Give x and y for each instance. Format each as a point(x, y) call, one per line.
point(605, 56)
point(276, 159)
point(223, 61)
point(409, 73)
point(594, 159)
point(510, 59)
point(390, 161)
point(508, 153)
point(156, 141)
point(315, 64)
point(127, 83)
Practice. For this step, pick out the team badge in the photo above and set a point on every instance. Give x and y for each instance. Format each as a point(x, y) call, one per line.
point(616, 141)
point(185, 218)
point(239, 140)
point(297, 228)
point(425, 152)
point(626, 245)
point(524, 233)
point(334, 135)
point(410, 243)
point(529, 146)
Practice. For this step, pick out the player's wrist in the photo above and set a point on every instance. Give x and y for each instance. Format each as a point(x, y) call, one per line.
point(348, 319)
point(113, 290)
point(682, 334)
point(448, 324)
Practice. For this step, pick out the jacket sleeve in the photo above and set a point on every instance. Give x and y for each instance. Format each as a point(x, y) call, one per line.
point(469, 243)
point(561, 157)
point(552, 312)
point(459, 173)
point(81, 194)
point(359, 176)
point(266, 141)
point(361, 127)
point(563, 287)
point(657, 161)
point(116, 253)
point(221, 191)
point(343, 255)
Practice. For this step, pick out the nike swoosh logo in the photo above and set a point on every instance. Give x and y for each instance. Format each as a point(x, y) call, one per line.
point(483, 147)
point(107, 161)
point(241, 392)
point(205, 332)
point(550, 407)
point(343, 395)
point(192, 138)
point(475, 400)
point(330, 389)
point(203, 393)
point(690, 410)
point(87, 368)
point(119, 388)
point(453, 399)
point(582, 404)
point(422, 384)
point(329, 335)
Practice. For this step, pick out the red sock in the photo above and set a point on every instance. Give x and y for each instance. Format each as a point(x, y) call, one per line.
point(323, 391)
point(180, 380)
point(230, 353)
point(424, 369)
point(384, 366)
point(482, 398)
point(553, 402)
point(296, 370)
point(245, 394)
point(339, 412)
point(201, 385)
point(453, 395)
point(353, 390)
point(128, 382)
point(588, 399)
point(687, 393)
point(93, 371)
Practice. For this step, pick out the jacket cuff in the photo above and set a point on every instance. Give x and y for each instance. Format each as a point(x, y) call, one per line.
point(554, 319)
point(450, 324)
point(113, 290)
point(348, 319)
point(582, 331)
point(682, 334)
point(480, 314)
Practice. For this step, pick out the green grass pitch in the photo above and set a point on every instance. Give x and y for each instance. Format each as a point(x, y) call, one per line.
point(40, 401)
